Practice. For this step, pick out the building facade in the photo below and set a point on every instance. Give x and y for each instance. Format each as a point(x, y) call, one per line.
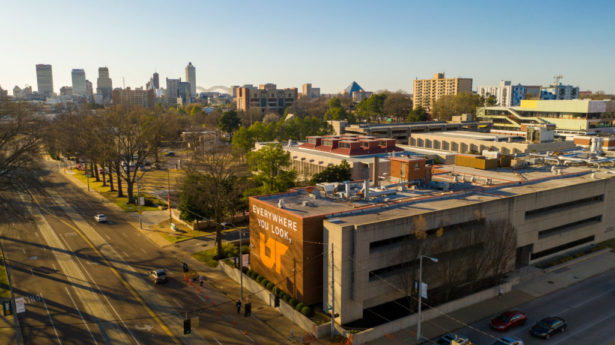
point(79, 85)
point(191, 79)
point(267, 98)
point(559, 92)
point(372, 236)
point(172, 91)
point(104, 84)
point(505, 93)
point(44, 79)
point(427, 91)
point(579, 116)
point(134, 98)
point(310, 92)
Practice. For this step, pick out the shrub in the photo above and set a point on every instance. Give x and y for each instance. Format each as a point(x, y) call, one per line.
point(293, 302)
point(259, 278)
point(299, 306)
point(264, 282)
point(276, 290)
point(307, 311)
point(285, 297)
point(244, 269)
point(269, 286)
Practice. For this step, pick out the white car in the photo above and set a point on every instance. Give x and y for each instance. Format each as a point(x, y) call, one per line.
point(100, 218)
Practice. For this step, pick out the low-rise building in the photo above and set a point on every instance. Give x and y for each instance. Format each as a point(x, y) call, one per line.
point(579, 116)
point(138, 98)
point(267, 98)
point(366, 240)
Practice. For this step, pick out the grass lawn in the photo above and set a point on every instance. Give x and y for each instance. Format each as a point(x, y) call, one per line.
point(183, 232)
point(207, 256)
point(156, 180)
point(5, 291)
point(112, 196)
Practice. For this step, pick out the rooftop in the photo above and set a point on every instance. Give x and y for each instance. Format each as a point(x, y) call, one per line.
point(451, 186)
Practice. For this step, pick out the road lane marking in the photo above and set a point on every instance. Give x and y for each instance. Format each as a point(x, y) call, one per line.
point(143, 250)
point(109, 329)
point(91, 279)
point(178, 304)
point(54, 267)
point(582, 329)
point(80, 315)
point(249, 338)
point(107, 237)
point(23, 250)
point(50, 319)
point(217, 341)
point(80, 229)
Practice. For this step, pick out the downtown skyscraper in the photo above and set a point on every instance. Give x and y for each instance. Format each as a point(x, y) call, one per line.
point(191, 78)
point(104, 85)
point(44, 79)
point(79, 85)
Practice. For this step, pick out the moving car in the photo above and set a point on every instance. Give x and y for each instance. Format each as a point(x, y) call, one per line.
point(507, 320)
point(548, 326)
point(508, 341)
point(169, 154)
point(100, 218)
point(158, 276)
point(447, 339)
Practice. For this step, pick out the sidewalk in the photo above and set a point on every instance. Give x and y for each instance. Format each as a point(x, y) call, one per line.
point(542, 284)
point(214, 278)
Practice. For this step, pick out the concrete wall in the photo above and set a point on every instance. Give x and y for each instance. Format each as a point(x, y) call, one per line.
point(397, 325)
point(285, 309)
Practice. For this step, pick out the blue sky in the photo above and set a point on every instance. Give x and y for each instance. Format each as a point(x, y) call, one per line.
point(380, 44)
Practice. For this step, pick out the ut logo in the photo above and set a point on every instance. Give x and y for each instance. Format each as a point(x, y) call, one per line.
point(276, 250)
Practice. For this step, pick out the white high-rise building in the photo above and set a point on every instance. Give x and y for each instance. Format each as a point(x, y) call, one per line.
point(506, 94)
point(44, 79)
point(191, 78)
point(104, 85)
point(79, 85)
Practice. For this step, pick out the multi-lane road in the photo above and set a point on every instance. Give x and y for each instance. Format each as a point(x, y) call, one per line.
point(85, 282)
point(588, 307)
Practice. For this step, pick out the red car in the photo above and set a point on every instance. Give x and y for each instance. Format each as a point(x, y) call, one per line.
point(507, 320)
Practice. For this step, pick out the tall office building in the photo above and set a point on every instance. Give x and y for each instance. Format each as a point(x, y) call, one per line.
point(184, 92)
point(104, 84)
point(156, 80)
point(89, 90)
point(427, 91)
point(79, 85)
point(172, 90)
point(191, 78)
point(44, 79)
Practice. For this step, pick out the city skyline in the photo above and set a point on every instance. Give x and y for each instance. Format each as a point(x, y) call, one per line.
point(327, 45)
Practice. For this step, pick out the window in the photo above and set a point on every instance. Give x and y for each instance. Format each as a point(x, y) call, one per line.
point(564, 206)
point(562, 247)
point(569, 227)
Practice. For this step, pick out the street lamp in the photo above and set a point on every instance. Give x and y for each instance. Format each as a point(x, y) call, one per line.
point(418, 328)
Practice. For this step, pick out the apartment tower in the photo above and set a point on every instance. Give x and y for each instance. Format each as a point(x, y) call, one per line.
point(428, 91)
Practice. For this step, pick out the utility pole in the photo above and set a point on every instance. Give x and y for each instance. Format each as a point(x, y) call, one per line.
point(169, 194)
point(87, 175)
point(418, 327)
point(240, 262)
point(332, 294)
point(139, 205)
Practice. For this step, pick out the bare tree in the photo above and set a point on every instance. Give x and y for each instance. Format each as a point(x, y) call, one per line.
point(213, 189)
point(20, 138)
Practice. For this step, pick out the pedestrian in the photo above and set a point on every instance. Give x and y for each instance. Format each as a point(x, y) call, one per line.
point(500, 290)
point(238, 305)
point(185, 267)
point(201, 281)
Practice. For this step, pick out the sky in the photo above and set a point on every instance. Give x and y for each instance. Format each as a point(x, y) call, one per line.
point(380, 44)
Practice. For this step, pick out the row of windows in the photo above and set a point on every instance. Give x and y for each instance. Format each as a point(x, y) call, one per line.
point(562, 247)
point(564, 206)
point(432, 232)
point(569, 227)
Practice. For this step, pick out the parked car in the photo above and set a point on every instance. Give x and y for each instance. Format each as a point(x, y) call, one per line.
point(507, 320)
point(548, 326)
point(100, 218)
point(447, 339)
point(508, 341)
point(158, 276)
point(169, 154)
